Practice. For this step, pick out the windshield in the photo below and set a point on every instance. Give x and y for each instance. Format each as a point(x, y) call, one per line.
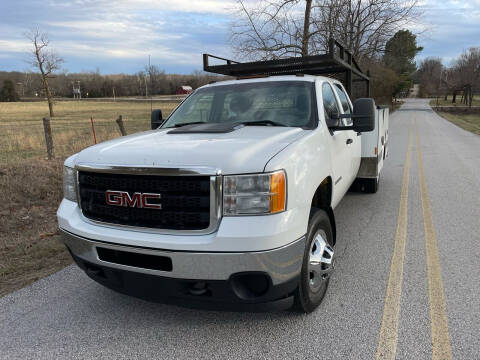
point(275, 103)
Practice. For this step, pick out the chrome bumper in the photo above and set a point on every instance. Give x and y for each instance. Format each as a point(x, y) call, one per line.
point(282, 264)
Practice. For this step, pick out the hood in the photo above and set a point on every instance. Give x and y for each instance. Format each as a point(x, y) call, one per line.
point(245, 150)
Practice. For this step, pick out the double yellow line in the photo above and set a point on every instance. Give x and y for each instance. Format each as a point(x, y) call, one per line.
point(387, 342)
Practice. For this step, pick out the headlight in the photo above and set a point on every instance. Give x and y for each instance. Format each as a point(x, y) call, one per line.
point(254, 194)
point(69, 183)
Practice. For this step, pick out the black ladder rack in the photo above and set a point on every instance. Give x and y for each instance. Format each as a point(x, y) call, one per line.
point(338, 62)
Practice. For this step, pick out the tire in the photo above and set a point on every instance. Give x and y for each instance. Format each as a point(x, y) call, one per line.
point(314, 279)
point(371, 185)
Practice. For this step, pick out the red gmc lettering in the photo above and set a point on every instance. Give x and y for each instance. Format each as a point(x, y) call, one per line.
point(139, 200)
point(113, 198)
point(134, 201)
point(145, 203)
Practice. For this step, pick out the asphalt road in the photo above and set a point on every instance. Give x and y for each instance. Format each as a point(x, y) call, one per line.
point(69, 316)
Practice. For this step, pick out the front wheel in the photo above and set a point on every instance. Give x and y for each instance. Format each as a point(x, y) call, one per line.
point(318, 262)
point(371, 185)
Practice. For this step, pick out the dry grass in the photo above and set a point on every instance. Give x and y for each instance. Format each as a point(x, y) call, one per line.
point(30, 247)
point(469, 122)
point(21, 127)
point(29, 243)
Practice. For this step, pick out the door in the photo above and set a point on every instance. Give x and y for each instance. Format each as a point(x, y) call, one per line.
point(340, 150)
point(354, 143)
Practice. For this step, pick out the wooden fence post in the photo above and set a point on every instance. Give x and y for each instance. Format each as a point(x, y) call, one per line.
point(48, 137)
point(93, 130)
point(121, 126)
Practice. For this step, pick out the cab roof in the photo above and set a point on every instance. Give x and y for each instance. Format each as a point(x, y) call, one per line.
point(306, 78)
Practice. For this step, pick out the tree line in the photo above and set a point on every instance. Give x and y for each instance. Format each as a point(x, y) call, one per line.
point(462, 77)
point(150, 81)
point(49, 81)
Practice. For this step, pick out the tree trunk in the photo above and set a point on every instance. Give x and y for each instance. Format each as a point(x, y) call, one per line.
point(48, 138)
point(306, 28)
point(468, 95)
point(49, 96)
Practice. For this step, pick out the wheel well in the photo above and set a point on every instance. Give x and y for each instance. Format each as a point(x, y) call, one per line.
point(322, 199)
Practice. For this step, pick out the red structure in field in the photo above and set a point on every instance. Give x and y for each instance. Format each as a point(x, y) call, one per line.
point(184, 89)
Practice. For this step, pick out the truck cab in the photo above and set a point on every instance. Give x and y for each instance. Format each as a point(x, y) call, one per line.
point(229, 202)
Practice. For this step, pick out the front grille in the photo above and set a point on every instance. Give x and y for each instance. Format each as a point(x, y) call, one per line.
point(185, 200)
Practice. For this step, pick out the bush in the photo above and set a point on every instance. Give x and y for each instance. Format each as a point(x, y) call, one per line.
point(8, 93)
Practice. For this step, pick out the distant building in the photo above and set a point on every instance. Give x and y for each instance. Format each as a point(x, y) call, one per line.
point(184, 89)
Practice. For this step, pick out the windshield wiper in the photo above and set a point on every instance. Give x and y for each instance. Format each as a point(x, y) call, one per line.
point(246, 123)
point(261, 123)
point(189, 123)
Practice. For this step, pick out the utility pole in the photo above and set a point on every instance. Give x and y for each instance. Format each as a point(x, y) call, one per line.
point(150, 78)
point(148, 72)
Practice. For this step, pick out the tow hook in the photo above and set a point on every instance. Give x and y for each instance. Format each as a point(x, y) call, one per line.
point(199, 288)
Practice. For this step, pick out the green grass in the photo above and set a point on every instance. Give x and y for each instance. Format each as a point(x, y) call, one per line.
point(469, 122)
point(21, 127)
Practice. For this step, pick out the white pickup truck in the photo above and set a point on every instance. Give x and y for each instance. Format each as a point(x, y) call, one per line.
point(230, 202)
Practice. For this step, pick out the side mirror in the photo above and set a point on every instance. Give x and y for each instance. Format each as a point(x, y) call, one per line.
point(156, 119)
point(333, 119)
point(364, 115)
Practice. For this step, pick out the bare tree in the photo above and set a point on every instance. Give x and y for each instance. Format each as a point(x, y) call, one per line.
point(278, 28)
point(366, 26)
point(465, 73)
point(45, 60)
point(272, 29)
point(430, 75)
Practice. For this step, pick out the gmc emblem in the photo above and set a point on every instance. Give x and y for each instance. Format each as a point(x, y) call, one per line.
point(138, 200)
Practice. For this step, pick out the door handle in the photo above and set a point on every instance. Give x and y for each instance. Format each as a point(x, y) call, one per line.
point(349, 141)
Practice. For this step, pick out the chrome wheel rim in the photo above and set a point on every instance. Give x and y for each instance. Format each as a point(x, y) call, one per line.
point(320, 261)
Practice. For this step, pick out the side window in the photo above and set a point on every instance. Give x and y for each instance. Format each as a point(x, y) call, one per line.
point(345, 104)
point(330, 104)
point(196, 108)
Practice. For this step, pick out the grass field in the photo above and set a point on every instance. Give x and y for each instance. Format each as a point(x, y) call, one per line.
point(448, 102)
point(21, 127)
point(30, 246)
point(469, 122)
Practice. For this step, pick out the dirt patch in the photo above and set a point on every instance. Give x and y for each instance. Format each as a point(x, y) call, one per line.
point(30, 247)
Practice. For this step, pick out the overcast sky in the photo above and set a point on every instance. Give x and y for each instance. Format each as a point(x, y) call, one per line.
point(116, 36)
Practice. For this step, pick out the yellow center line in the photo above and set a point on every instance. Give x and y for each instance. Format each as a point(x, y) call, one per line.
point(387, 342)
point(441, 349)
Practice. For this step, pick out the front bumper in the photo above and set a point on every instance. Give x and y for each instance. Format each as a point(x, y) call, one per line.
point(245, 281)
